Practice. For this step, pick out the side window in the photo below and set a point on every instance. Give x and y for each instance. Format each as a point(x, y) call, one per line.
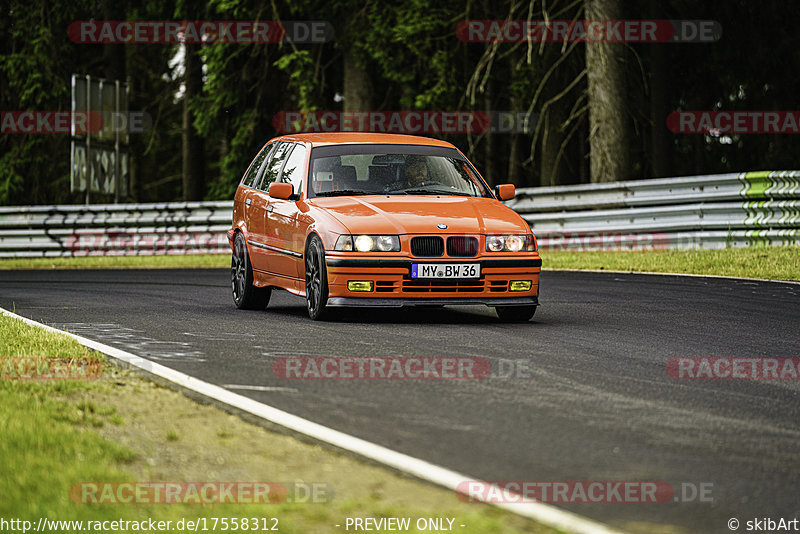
point(273, 167)
point(250, 177)
point(295, 167)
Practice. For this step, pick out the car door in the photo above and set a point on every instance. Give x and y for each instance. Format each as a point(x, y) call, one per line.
point(283, 233)
point(262, 256)
point(243, 209)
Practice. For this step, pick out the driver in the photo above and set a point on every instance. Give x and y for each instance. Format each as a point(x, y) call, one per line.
point(416, 172)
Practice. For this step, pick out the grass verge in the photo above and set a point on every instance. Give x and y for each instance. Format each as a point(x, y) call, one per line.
point(185, 261)
point(778, 263)
point(57, 434)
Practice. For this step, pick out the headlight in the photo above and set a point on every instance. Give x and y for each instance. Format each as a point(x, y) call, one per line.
point(364, 243)
point(514, 243)
point(344, 243)
point(494, 243)
point(510, 243)
point(368, 243)
point(386, 243)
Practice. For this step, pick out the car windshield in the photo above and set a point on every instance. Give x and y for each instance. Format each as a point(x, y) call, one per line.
point(392, 170)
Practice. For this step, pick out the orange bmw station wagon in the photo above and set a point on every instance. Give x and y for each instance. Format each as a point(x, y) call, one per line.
point(360, 219)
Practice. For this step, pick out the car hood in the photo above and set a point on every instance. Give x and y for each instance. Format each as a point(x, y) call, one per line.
point(381, 214)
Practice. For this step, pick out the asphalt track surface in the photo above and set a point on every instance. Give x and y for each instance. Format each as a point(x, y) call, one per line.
point(597, 403)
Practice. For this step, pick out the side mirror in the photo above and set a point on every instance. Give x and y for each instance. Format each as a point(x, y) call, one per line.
point(505, 191)
point(282, 190)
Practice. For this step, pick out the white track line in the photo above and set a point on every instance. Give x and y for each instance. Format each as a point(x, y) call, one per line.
point(258, 388)
point(543, 513)
point(673, 274)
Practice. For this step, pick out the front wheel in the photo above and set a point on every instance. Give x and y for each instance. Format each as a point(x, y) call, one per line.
point(515, 314)
point(316, 280)
point(246, 296)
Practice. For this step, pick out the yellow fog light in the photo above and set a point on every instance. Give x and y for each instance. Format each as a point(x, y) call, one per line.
point(364, 285)
point(520, 285)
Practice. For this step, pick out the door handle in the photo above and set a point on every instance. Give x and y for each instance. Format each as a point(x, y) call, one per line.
point(270, 208)
point(248, 201)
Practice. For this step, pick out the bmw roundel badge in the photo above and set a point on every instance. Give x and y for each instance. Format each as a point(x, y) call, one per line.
point(441, 226)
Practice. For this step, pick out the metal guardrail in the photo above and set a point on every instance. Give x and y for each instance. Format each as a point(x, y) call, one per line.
point(660, 191)
point(715, 211)
point(115, 229)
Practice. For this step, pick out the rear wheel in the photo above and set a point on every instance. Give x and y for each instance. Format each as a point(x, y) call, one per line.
point(246, 296)
point(515, 314)
point(316, 280)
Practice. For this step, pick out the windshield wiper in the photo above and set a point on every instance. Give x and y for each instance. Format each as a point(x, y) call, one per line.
point(343, 192)
point(434, 192)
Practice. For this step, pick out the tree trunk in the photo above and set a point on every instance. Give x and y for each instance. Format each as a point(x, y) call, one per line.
point(193, 160)
point(553, 136)
point(660, 147)
point(583, 152)
point(609, 122)
point(489, 160)
point(114, 54)
point(357, 85)
point(552, 169)
point(513, 174)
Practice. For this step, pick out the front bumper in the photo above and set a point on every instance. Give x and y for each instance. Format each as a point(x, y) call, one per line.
point(402, 302)
point(393, 285)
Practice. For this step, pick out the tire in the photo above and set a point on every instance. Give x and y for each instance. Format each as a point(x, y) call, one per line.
point(246, 296)
point(515, 314)
point(316, 277)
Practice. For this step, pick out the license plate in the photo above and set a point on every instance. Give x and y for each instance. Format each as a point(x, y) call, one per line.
point(445, 270)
